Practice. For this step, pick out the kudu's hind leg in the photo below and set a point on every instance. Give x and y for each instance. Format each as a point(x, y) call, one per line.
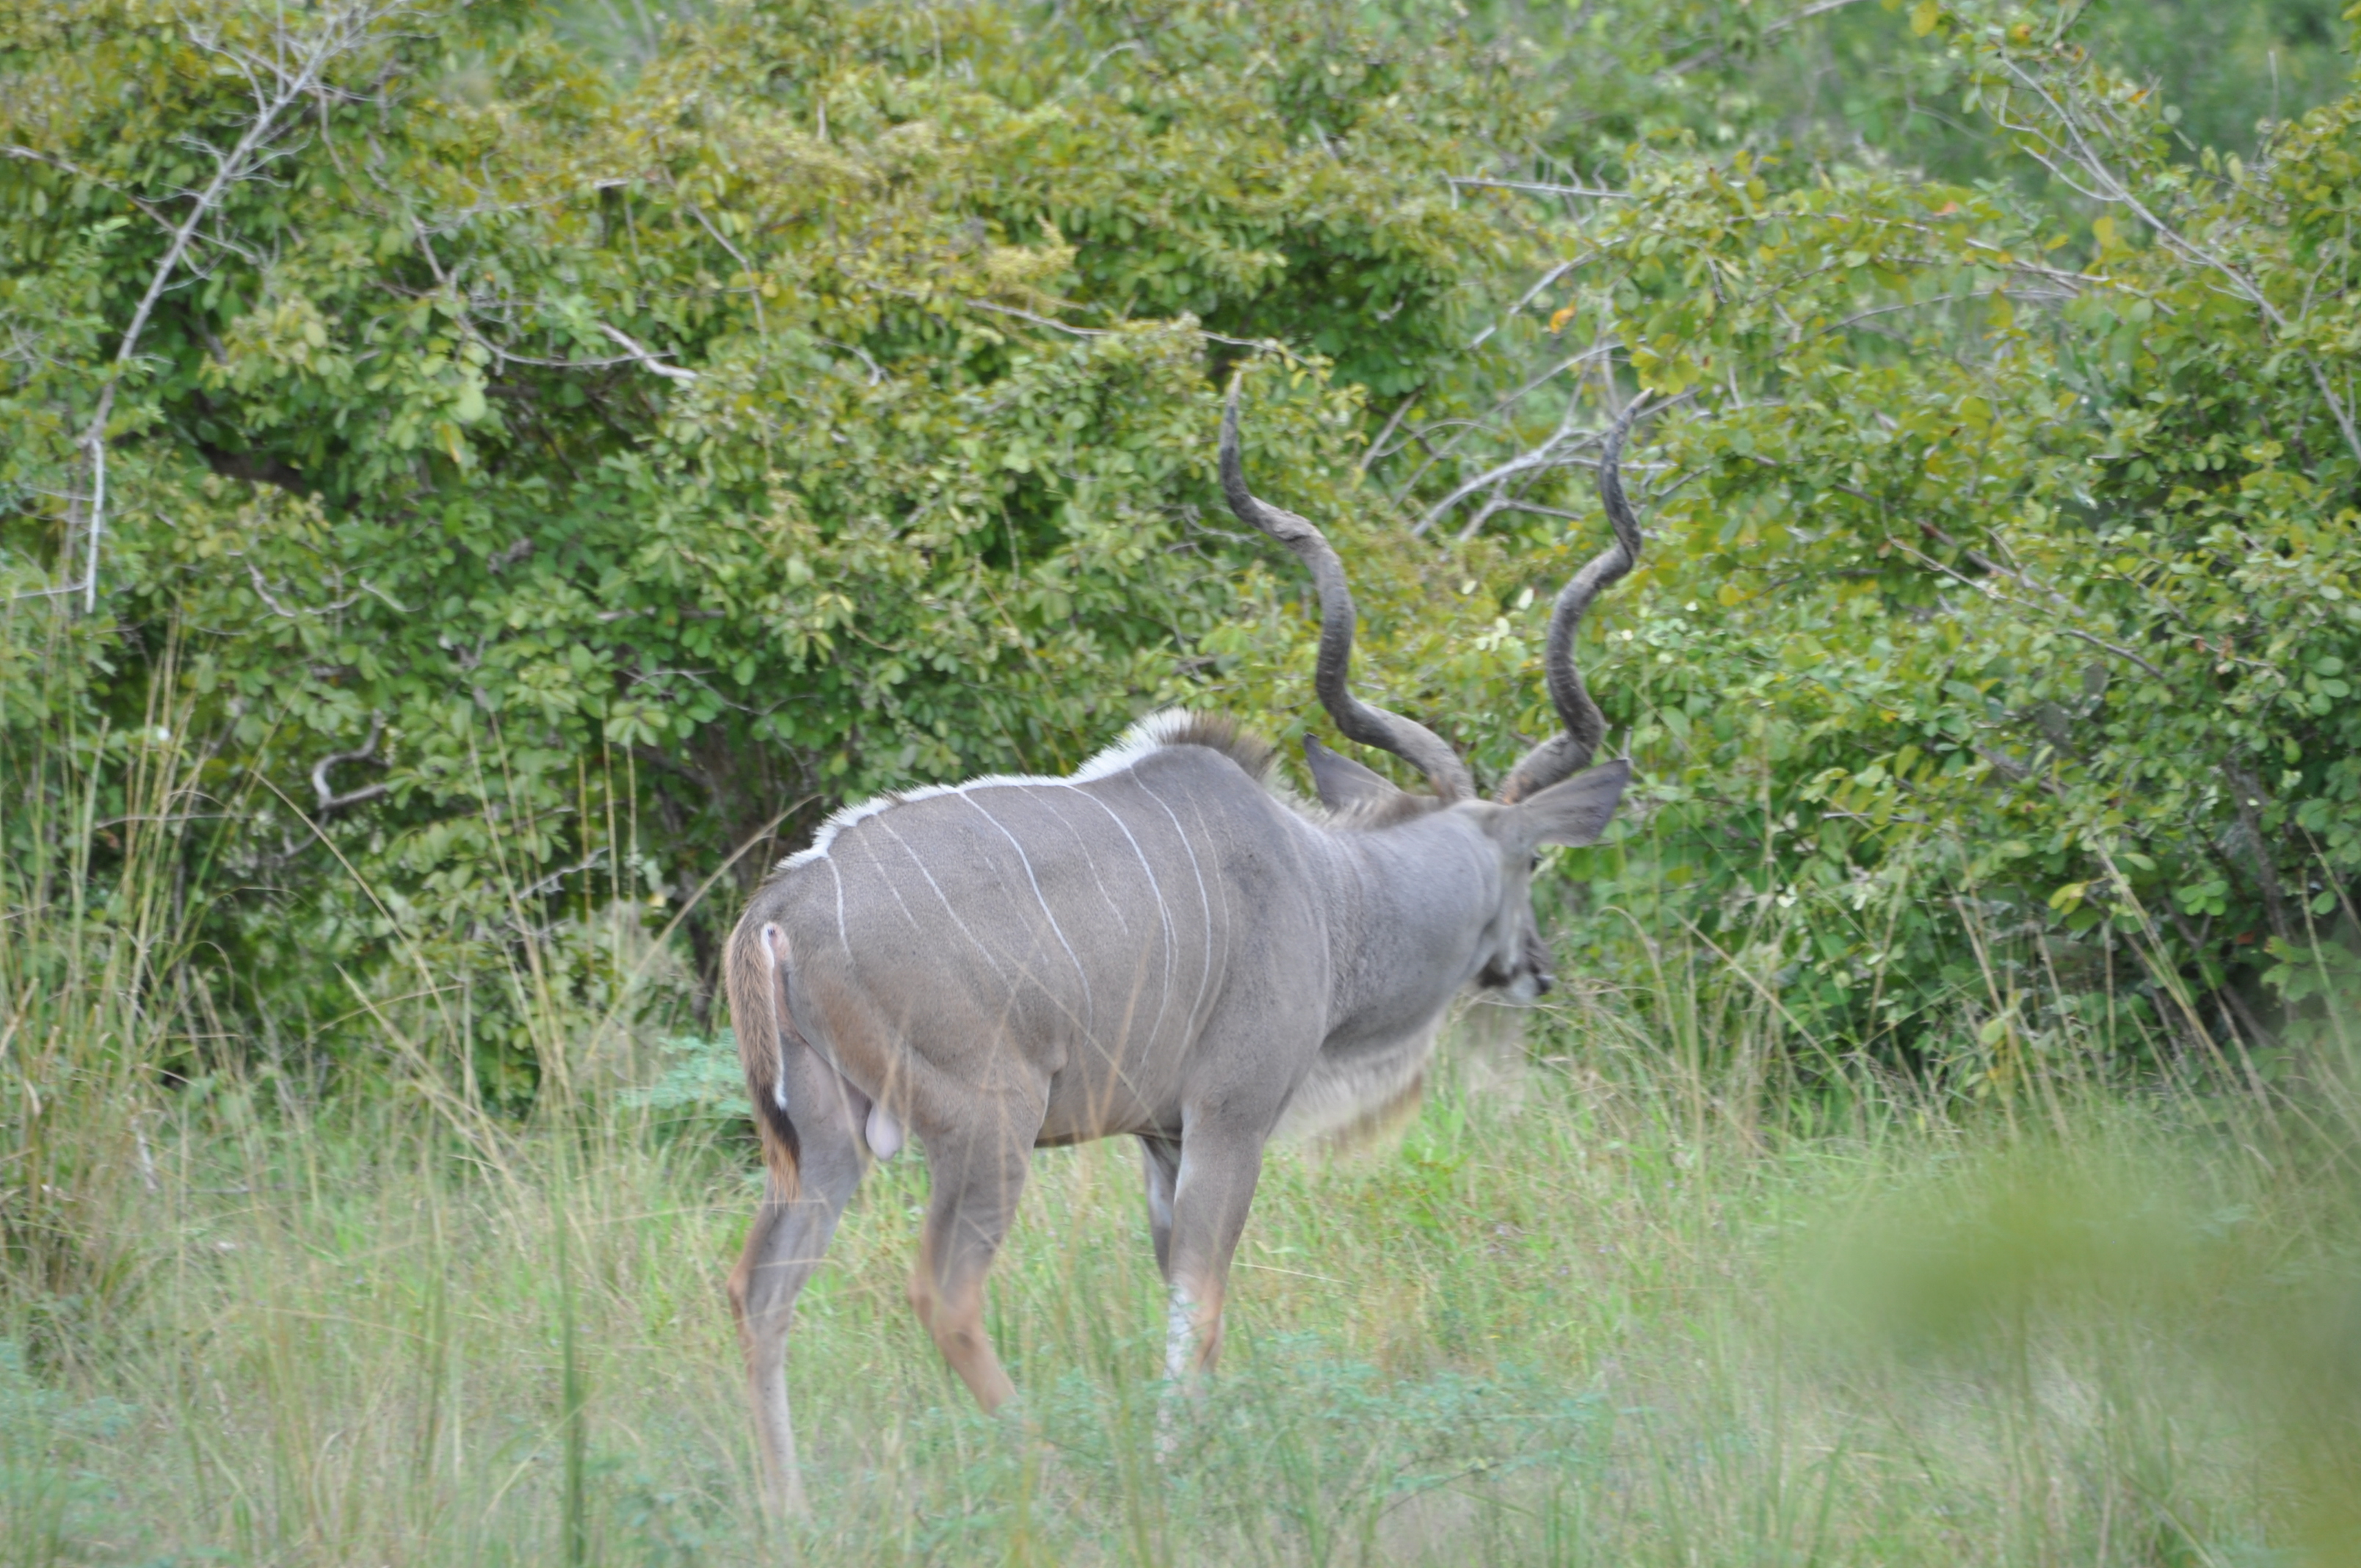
point(978, 1175)
point(783, 1249)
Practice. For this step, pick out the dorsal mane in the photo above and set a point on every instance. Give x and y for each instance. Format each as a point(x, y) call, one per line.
point(1216, 732)
point(1172, 726)
point(1178, 727)
point(1259, 759)
point(1382, 811)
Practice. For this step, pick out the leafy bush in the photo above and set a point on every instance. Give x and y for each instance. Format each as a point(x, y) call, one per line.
point(543, 490)
point(536, 487)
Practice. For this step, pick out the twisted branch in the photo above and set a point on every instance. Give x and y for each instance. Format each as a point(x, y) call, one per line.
point(329, 800)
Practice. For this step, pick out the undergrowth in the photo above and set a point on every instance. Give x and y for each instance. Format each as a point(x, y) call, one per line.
point(1579, 1312)
point(1644, 1282)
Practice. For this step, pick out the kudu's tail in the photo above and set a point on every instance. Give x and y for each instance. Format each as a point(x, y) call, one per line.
point(756, 975)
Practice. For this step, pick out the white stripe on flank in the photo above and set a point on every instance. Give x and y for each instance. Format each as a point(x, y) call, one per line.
point(1141, 740)
point(947, 907)
point(886, 877)
point(1164, 925)
point(1222, 884)
point(1089, 860)
point(1206, 977)
point(1090, 1012)
point(1055, 999)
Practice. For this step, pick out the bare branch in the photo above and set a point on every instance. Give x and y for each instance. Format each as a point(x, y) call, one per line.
point(2109, 187)
point(1771, 31)
point(34, 155)
point(1604, 349)
point(262, 590)
point(745, 267)
point(648, 360)
point(277, 85)
point(1551, 453)
point(1376, 448)
point(1539, 187)
point(1546, 278)
point(329, 800)
point(1990, 592)
point(1261, 345)
point(1052, 323)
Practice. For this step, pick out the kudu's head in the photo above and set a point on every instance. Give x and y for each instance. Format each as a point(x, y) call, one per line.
point(1551, 796)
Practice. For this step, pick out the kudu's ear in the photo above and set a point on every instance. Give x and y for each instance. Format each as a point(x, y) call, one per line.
point(1342, 782)
point(1575, 810)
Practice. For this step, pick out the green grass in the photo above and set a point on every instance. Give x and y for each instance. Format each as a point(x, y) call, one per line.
point(1579, 1313)
point(1634, 1296)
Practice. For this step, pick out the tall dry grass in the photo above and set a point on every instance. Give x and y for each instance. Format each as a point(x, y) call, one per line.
point(1648, 1298)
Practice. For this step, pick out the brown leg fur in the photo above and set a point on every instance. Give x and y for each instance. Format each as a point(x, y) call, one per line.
point(978, 1177)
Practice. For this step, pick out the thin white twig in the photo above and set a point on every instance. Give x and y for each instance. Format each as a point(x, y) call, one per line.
point(1771, 31)
point(1539, 187)
point(35, 155)
point(97, 516)
point(1606, 348)
point(1052, 323)
point(1548, 455)
point(647, 360)
point(340, 33)
point(1990, 592)
point(1548, 278)
point(2115, 190)
point(329, 799)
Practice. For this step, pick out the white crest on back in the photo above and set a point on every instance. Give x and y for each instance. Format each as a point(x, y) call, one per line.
point(1159, 730)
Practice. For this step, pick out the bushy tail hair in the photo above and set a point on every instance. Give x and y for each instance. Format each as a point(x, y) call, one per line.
point(758, 1010)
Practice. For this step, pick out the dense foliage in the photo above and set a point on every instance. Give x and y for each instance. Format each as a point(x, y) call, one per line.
point(505, 470)
point(2023, 558)
point(694, 454)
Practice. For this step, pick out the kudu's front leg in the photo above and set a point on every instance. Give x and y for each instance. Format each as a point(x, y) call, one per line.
point(785, 1246)
point(1214, 1187)
point(1161, 1158)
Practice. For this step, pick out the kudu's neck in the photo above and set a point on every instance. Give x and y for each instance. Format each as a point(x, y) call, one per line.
point(1411, 909)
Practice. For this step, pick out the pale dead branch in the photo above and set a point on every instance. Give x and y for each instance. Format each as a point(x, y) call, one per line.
point(647, 359)
point(2102, 183)
point(329, 800)
point(295, 67)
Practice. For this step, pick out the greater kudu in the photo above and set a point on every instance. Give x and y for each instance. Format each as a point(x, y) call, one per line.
point(1159, 945)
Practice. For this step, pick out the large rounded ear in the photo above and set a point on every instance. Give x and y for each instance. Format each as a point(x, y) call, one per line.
point(1575, 810)
point(1342, 782)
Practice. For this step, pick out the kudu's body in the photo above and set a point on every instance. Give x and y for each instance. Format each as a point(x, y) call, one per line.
point(1159, 945)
